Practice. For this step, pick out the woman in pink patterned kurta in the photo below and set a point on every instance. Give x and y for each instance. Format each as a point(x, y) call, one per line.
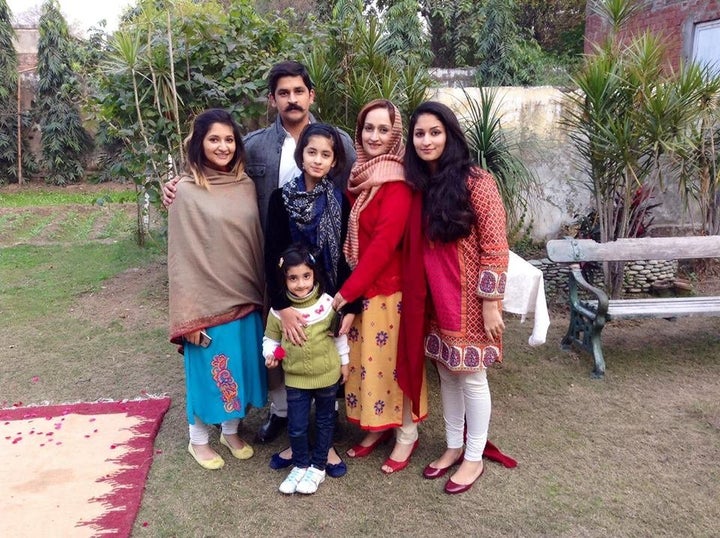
point(464, 252)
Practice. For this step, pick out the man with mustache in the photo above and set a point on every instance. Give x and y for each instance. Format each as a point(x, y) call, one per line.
point(270, 163)
point(270, 160)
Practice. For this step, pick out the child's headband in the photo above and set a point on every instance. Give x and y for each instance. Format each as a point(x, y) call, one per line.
point(310, 257)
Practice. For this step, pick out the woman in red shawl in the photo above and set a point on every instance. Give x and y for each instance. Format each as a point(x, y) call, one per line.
point(456, 236)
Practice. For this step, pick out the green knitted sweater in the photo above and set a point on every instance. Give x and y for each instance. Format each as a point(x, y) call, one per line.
point(315, 364)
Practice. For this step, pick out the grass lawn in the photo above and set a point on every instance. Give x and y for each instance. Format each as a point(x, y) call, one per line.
point(84, 316)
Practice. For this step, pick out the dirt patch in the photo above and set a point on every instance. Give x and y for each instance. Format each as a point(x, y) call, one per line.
point(135, 298)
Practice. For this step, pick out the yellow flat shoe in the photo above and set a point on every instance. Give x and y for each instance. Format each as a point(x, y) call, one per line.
point(211, 464)
point(244, 453)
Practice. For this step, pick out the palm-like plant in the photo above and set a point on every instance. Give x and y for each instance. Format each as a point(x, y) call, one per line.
point(617, 12)
point(494, 151)
point(8, 85)
point(353, 61)
point(11, 121)
point(628, 118)
point(699, 159)
point(125, 58)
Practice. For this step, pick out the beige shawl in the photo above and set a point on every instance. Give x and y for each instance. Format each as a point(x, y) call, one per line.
point(215, 260)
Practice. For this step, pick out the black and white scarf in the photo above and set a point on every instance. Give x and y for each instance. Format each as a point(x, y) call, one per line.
point(316, 219)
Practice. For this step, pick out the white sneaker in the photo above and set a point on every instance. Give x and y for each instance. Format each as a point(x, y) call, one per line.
point(310, 482)
point(290, 484)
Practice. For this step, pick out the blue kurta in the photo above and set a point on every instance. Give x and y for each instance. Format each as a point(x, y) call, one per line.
point(225, 378)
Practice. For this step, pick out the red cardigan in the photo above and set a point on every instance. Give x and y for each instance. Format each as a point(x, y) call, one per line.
point(380, 233)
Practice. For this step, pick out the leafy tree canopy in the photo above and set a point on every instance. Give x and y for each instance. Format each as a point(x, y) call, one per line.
point(8, 92)
point(457, 27)
point(65, 141)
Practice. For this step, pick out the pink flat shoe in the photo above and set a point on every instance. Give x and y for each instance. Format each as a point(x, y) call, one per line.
point(453, 488)
point(432, 473)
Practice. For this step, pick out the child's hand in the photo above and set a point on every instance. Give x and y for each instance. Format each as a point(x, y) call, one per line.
point(346, 323)
point(273, 359)
point(344, 372)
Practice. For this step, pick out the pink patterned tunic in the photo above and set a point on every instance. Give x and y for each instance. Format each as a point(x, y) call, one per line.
point(463, 273)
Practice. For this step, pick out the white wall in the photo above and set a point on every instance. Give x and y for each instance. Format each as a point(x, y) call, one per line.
point(531, 116)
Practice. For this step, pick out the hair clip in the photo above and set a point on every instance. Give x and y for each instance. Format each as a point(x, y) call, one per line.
point(312, 258)
point(280, 263)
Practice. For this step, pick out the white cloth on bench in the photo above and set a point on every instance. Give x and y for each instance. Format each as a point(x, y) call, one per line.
point(525, 293)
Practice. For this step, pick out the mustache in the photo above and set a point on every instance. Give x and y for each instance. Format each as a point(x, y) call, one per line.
point(294, 107)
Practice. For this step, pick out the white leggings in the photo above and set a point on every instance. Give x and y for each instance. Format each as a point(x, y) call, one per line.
point(466, 396)
point(200, 432)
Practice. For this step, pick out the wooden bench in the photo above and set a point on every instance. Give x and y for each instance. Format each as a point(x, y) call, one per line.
point(589, 316)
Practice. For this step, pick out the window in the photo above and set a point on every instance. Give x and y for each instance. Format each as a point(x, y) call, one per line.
point(706, 44)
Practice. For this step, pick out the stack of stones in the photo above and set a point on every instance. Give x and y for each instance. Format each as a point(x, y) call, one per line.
point(554, 274)
point(639, 276)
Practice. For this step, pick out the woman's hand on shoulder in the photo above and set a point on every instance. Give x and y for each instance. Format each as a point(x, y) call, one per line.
point(338, 302)
point(293, 325)
point(168, 191)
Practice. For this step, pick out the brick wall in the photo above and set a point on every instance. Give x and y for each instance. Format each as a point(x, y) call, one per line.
point(672, 19)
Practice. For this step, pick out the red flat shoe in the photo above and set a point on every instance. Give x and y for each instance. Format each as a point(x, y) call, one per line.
point(399, 465)
point(453, 488)
point(360, 451)
point(432, 473)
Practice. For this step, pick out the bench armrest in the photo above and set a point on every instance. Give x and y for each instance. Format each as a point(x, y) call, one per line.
point(578, 280)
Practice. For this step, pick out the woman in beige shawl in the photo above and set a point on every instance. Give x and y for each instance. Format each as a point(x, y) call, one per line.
point(215, 269)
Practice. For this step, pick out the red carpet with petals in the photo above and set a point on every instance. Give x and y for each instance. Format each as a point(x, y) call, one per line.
point(76, 469)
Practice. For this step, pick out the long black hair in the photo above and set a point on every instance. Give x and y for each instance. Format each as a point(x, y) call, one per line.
point(447, 212)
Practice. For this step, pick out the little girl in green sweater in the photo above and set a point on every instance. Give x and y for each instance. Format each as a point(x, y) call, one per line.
point(313, 371)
